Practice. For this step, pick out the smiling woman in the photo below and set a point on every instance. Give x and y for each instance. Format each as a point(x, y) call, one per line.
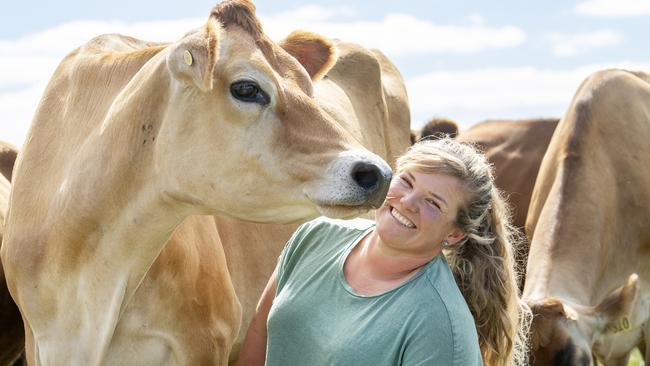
point(432, 281)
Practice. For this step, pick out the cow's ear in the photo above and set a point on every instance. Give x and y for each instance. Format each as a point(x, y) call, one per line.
point(192, 59)
point(545, 313)
point(617, 312)
point(552, 307)
point(315, 53)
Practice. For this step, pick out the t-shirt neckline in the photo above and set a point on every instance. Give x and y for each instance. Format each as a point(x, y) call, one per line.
point(344, 256)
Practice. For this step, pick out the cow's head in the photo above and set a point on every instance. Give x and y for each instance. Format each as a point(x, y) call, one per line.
point(242, 110)
point(571, 335)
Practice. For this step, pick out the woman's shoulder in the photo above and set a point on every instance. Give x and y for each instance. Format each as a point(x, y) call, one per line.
point(324, 236)
point(318, 243)
point(327, 228)
point(452, 307)
point(439, 310)
point(441, 280)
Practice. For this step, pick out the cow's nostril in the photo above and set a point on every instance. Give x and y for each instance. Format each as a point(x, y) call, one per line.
point(366, 175)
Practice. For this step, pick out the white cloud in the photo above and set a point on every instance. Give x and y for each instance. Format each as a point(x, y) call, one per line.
point(473, 95)
point(614, 8)
point(17, 109)
point(398, 35)
point(574, 44)
point(58, 41)
point(307, 15)
point(21, 70)
point(476, 19)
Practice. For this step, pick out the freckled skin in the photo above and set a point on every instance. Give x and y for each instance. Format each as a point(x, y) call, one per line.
point(409, 194)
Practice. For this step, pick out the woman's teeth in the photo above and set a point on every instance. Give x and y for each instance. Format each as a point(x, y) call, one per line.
point(401, 219)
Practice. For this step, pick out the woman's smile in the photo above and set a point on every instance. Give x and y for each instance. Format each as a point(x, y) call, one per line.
point(403, 220)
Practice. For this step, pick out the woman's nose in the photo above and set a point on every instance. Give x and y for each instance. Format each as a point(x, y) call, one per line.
point(410, 202)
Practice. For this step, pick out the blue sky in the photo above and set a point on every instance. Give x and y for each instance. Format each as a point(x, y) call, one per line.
point(465, 60)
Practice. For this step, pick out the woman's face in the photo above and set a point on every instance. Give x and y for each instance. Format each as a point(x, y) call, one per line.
point(419, 213)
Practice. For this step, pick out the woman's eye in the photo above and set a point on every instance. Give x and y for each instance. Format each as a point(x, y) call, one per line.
point(249, 92)
point(405, 181)
point(433, 203)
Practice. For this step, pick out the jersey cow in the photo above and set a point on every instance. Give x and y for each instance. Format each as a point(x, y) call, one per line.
point(365, 93)
point(588, 280)
point(130, 138)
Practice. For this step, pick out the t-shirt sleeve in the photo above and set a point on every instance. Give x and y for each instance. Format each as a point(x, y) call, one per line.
point(286, 261)
point(436, 349)
point(442, 338)
point(430, 343)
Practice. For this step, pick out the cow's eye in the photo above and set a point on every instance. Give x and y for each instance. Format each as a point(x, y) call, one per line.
point(249, 92)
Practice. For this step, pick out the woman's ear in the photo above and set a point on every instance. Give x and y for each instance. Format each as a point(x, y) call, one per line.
point(455, 236)
point(315, 53)
point(192, 59)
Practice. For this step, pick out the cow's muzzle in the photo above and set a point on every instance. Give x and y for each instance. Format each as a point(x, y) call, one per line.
point(374, 179)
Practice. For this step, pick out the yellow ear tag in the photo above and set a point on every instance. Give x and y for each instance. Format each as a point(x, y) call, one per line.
point(623, 325)
point(187, 57)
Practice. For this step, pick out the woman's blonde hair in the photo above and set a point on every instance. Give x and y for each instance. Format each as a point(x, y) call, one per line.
point(482, 263)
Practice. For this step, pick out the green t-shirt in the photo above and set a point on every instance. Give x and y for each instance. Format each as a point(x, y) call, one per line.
point(317, 318)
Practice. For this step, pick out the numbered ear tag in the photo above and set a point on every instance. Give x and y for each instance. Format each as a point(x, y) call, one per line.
point(622, 325)
point(187, 57)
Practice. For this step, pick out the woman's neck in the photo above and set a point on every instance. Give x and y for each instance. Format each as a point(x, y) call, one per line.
point(382, 263)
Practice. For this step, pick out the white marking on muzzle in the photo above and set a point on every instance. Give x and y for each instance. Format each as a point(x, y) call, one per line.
point(350, 181)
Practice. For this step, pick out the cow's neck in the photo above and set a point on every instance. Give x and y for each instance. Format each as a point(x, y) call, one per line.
point(113, 221)
point(579, 256)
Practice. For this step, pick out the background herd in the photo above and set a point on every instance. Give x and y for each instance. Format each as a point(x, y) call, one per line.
point(578, 186)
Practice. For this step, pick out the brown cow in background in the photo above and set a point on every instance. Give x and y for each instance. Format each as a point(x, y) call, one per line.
point(8, 155)
point(12, 337)
point(516, 148)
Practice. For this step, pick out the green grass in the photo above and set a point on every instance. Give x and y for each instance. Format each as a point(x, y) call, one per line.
point(635, 359)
